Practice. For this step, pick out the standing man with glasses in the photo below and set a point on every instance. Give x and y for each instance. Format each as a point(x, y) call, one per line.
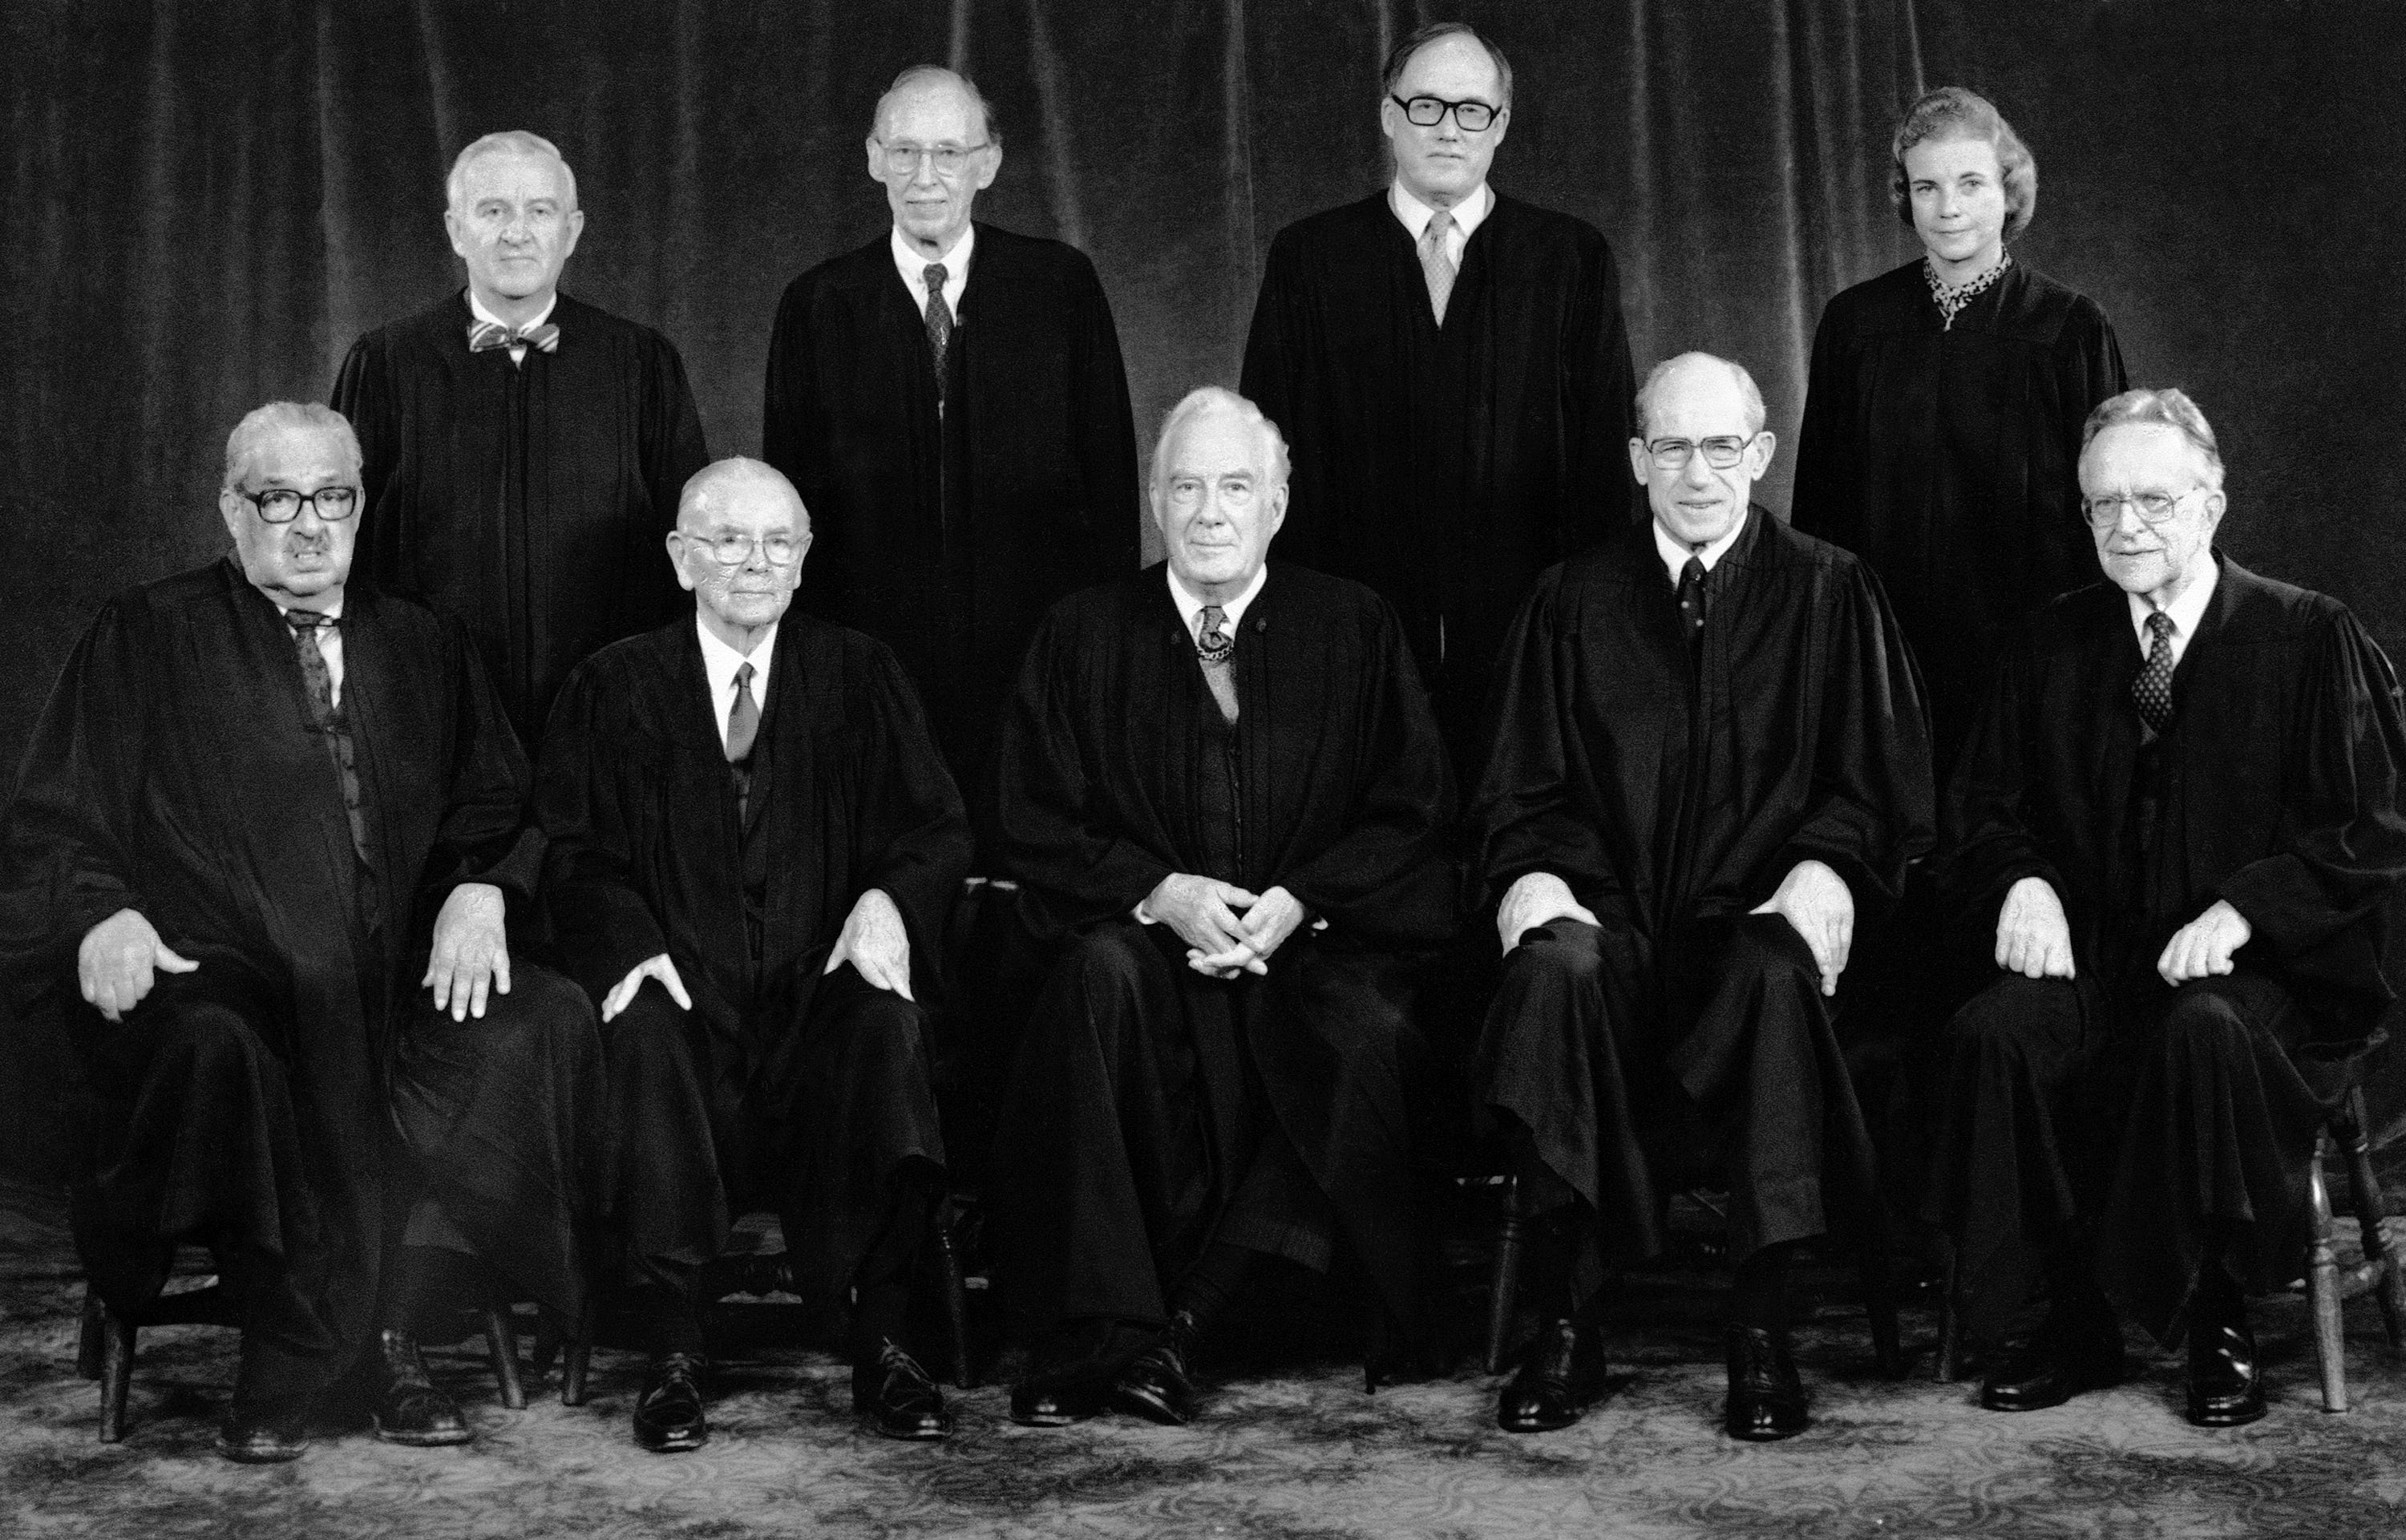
point(1452, 369)
point(269, 828)
point(1712, 761)
point(2177, 822)
point(523, 448)
point(753, 850)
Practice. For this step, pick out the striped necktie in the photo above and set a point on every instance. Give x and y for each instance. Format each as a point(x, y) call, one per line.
point(1436, 266)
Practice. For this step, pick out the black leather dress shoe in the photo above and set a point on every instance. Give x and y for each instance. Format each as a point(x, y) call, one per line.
point(1562, 1375)
point(667, 1414)
point(1041, 1404)
point(1766, 1400)
point(249, 1440)
point(895, 1396)
point(405, 1404)
point(2226, 1386)
point(2058, 1362)
point(1156, 1384)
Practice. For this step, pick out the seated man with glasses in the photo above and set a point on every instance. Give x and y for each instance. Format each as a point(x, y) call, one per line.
point(2176, 828)
point(269, 827)
point(754, 847)
point(1712, 762)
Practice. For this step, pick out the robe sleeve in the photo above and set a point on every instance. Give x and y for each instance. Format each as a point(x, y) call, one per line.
point(602, 925)
point(1105, 428)
point(1875, 809)
point(486, 834)
point(912, 834)
point(2088, 369)
point(1602, 392)
point(671, 450)
point(1078, 871)
point(1276, 346)
point(1827, 502)
point(362, 395)
point(1990, 842)
point(792, 427)
point(1389, 875)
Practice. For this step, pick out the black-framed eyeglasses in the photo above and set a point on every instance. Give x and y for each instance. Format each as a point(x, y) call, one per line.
point(734, 550)
point(1721, 453)
point(1429, 111)
point(903, 160)
point(2153, 508)
point(282, 504)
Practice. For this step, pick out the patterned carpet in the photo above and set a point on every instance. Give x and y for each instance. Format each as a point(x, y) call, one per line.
point(1287, 1446)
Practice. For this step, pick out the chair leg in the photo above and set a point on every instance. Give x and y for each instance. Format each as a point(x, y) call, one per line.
point(580, 1357)
point(956, 1299)
point(88, 1335)
point(2322, 1287)
point(116, 1374)
point(2371, 1208)
point(1504, 1284)
point(1879, 1304)
point(502, 1344)
point(1950, 1320)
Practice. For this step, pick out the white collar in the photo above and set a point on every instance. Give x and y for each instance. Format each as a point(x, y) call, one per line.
point(914, 267)
point(720, 661)
point(2185, 610)
point(476, 308)
point(333, 612)
point(1190, 604)
point(1675, 553)
point(1415, 214)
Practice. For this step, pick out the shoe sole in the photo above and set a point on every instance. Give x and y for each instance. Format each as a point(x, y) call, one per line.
point(426, 1440)
point(676, 1444)
point(255, 1457)
point(1153, 1410)
point(2226, 1420)
point(914, 1436)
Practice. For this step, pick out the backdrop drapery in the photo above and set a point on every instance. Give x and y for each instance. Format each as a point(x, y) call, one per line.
point(205, 203)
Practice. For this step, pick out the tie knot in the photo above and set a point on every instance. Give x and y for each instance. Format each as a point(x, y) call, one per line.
point(2160, 624)
point(1694, 572)
point(936, 277)
point(744, 676)
point(1440, 225)
point(308, 620)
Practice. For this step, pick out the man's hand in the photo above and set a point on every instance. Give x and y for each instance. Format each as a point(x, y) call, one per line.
point(1201, 910)
point(623, 993)
point(1815, 900)
point(1533, 900)
point(119, 960)
point(877, 943)
point(2204, 945)
point(2034, 938)
point(471, 952)
point(1265, 926)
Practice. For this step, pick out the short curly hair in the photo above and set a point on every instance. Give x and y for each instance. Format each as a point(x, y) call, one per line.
point(1951, 112)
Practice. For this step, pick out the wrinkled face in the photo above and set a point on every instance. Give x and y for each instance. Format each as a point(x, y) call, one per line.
point(1216, 503)
point(302, 564)
point(1697, 404)
point(754, 590)
point(1440, 165)
point(1959, 200)
point(2134, 459)
point(929, 203)
point(514, 225)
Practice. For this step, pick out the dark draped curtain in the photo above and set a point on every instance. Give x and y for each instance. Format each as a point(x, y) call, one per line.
point(204, 203)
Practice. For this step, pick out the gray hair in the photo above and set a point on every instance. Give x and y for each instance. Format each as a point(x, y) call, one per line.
point(1217, 398)
point(706, 485)
point(514, 141)
point(303, 417)
point(1755, 415)
point(2167, 408)
point(918, 73)
point(1400, 58)
point(1951, 112)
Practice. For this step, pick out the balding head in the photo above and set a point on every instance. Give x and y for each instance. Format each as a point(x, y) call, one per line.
point(741, 536)
point(723, 483)
point(1693, 410)
point(937, 83)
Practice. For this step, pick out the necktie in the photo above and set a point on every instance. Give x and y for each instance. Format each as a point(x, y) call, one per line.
point(319, 682)
point(2153, 689)
point(1214, 646)
point(483, 336)
point(1692, 598)
point(1435, 266)
point(939, 319)
point(742, 718)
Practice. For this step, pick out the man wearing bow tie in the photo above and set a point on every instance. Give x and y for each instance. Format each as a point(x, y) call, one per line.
point(523, 449)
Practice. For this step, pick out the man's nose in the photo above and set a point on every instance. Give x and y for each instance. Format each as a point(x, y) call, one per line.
point(1696, 473)
point(924, 174)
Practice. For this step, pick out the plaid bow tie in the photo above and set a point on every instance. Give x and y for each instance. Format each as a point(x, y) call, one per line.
point(482, 336)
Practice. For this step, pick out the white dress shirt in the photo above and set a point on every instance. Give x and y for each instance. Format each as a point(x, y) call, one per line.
point(720, 661)
point(1190, 604)
point(914, 268)
point(1674, 552)
point(2185, 610)
point(517, 349)
point(1468, 214)
point(329, 645)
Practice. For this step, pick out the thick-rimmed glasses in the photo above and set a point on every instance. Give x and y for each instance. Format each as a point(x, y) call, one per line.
point(734, 550)
point(903, 160)
point(2103, 512)
point(282, 504)
point(1429, 111)
point(1719, 453)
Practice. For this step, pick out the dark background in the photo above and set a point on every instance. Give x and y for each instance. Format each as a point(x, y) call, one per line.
point(204, 204)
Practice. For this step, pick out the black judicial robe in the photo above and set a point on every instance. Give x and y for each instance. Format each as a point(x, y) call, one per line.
point(528, 502)
point(176, 771)
point(947, 536)
point(1948, 460)
point(638, 806)
point(1448, 466)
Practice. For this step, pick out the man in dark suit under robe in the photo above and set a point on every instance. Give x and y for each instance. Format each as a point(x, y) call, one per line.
point(524, 449)
point(271, 822)
point(2177, 818)
point(1222, 789)
point(754, 847)
point(1711, 753)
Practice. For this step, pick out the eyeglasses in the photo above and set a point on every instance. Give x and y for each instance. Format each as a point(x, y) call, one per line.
point(2153, 508)
point(1719, 453)
point(1429, 111)
point(734, 550)
point(903, 160)
point(282, 504)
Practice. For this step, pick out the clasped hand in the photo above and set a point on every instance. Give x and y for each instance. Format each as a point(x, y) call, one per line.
point(1226, 929)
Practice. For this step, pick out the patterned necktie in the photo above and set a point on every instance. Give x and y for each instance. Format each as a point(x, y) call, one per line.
point(742, 718)
point(939, 319)
point(319, 682)
point(1692, 598)
point(483, 336)
point(1435, 266)
point(2153, 689)
point(1214, 646)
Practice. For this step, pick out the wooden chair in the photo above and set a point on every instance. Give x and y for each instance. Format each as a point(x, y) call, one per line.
point(2382, 1270)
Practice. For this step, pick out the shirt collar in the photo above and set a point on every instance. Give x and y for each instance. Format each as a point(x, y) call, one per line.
point(907, 261)
point(333, 612)
point(1675, 553)
point(1190, 604)
point(1415, 214)
point(2186, 611)
point(476, 308)
point(720, 661)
